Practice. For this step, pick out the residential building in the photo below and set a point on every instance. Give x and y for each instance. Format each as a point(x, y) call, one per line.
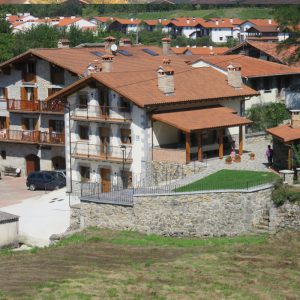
point(268, 78)
point(126, 26)
point(164, 24)
point(123, 115)
point(288, 135)
point(101, 22)
point(266, 51)
point(65, 23)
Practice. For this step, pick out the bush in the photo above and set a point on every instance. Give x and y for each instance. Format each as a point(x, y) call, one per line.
point(267, 115)
point(279, 196)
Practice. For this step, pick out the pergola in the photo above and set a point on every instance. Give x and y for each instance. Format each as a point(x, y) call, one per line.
point(202, 119)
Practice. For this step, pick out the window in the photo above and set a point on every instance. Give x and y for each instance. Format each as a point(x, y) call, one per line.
point(84, 173)
point(83, 132)
point(29, 93)
point(31, 68)
point(29, 123)
point(2, 93)
point(126, 136)
point(57, 75)
point(124, 105)
point(3, 154)
point(83, 100)
point(3, 123)
point(242, 108)
point(221, 38)
point(57, 125)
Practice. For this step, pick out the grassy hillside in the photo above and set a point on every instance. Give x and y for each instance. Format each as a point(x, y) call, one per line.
point(236, 12)
point(105, 264)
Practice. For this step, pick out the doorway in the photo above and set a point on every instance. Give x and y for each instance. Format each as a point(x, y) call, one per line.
point(32, 163)
point(105, 180)
point(58, 163)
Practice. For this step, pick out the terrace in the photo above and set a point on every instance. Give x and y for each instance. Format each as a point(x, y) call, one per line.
point(27, 106)
point(32, 137)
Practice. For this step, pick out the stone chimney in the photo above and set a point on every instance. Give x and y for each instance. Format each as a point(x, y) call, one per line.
point(165, 78)
point(125, 42)
point(166, 45)
point(108, 41)
point(63, 43)
point(107, 61)
point(295, 118)
point(234, 76)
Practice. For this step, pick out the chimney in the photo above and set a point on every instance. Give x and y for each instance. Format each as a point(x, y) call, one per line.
point(211, 48)
point(159, 20)
point(108, 41)
point(188, 21)
point(295, 118)
point(270, 21)
point(234, 76)
point(107, 61)
point(231, 20)
point(166, 45)
point(93, 68)
point(73, 17)
point(63, 43)
point(165, 78)
point(217, 23)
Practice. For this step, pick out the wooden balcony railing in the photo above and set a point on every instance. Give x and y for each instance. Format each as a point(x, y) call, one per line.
point(32, 137)
point(34, 106)
point(101, 113)
point(102, 152)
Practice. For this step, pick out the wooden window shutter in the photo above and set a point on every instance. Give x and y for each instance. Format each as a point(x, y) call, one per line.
point(35, 94)
point(23, 93)
point(36, 124)
point(7, 123)
point(5, 91)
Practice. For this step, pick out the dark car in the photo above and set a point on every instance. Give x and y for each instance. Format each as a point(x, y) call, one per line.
point(45, 180)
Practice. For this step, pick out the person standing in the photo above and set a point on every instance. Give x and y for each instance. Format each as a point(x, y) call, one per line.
point(269, 155)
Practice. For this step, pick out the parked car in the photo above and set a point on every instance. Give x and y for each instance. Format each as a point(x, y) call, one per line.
point(62, 172)
point(45, 180)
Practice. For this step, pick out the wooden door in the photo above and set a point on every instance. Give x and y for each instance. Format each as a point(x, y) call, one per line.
point(105, 180)
point(32, 163)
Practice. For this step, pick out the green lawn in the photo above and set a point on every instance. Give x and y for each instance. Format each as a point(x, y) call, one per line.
point(232, 12)
point(106, 264)
point(229, 179)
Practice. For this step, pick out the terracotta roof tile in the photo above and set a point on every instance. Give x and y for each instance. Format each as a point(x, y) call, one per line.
point(200, 50)
point(204, 118)
point(251, 67)
point(285, 132)
point(128, 21)
point(191, 84)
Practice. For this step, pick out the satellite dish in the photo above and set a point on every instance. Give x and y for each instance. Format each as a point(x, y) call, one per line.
point(114, 47)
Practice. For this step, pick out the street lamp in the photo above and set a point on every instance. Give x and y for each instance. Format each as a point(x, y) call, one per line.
point(123, 149)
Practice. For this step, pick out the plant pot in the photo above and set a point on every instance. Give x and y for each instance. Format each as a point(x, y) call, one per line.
point(252, 157)
point(228, 162)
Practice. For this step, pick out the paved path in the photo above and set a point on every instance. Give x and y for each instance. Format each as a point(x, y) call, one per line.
point(41, 216)
point(13, 190)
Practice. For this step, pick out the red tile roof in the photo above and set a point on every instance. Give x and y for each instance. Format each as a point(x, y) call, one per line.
point(251, 67)
point(127, 21)
point(200, 50)
point(103, 19)
point(191, 84)
point(285, 133)
point(261, 22)
point(203, 118)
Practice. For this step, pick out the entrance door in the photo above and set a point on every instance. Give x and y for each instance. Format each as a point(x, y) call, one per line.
point(32, 163)
point(127, 179)
point(29, 98)
point(105, 180)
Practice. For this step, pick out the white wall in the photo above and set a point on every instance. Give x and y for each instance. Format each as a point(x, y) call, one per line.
point(219, 35)
point(9, 233)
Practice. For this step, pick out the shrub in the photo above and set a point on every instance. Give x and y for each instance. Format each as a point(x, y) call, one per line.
point(279, 196)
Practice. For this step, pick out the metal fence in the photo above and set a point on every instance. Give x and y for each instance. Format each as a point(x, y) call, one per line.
point(92, 192)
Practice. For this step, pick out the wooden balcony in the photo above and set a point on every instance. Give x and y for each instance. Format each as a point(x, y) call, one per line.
point(32, 137)
point(85, 150)
point(34, 106)
point(99, 114)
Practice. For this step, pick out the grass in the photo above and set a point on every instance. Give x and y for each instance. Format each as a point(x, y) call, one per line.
point(106, 264)
point(229, 179)
point(243, 13)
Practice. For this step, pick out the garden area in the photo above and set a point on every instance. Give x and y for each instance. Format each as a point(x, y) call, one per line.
point(230, 179)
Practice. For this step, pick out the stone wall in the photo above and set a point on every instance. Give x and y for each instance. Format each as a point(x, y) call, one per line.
point(194, 214)
point(256, 137)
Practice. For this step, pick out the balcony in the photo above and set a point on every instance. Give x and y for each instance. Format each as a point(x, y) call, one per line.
point(32, 137)
point(34, 106)
point(99, 114)
point(85, 150)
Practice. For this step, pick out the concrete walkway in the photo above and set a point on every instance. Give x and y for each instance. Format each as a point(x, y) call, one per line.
point(41, 216)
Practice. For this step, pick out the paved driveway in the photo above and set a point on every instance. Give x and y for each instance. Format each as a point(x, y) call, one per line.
point(14, 190)
point(41, 214)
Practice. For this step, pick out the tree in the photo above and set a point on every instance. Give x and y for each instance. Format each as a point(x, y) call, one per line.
point(78, 36)
point(288, 17)
point(267, 115)
point(42, 36)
